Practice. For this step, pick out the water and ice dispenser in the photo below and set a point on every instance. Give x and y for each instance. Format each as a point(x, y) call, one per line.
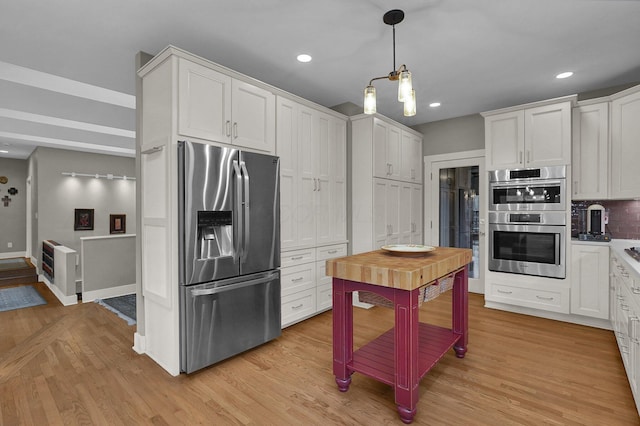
point(215, 234)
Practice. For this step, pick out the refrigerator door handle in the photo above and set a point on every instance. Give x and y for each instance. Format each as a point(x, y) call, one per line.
point(225, 288)
point(247, 228)
point(238, 237)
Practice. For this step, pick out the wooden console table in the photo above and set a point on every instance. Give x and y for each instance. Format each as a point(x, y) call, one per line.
point(404, 354)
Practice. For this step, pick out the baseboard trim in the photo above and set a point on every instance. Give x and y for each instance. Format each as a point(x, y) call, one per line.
point(11, 254)
point(90, 296)
point(139, 343)
point(64, 299)
point(574, 319)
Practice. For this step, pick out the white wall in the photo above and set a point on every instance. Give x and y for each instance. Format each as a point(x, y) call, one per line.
point(13, 222)
point(58, 196)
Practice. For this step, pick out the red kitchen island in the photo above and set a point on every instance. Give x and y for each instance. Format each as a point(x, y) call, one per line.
point(404, 354)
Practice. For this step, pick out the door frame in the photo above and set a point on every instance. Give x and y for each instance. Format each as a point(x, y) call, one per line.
point(433, 164)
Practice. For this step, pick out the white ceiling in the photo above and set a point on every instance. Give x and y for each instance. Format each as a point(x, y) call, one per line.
point(67, 72)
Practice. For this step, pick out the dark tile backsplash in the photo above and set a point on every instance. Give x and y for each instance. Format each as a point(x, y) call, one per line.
point(624, 217)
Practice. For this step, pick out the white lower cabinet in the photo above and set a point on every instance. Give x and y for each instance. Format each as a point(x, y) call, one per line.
point(590, 280)
point(527, 291)
point(305, 287)
point(625, 315)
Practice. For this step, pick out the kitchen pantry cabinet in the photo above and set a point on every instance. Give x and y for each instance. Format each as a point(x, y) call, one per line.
point(313, 183)
point(217, 107)
point(532, 135)
point(589, 279)
point(625, 144)
point(625, 318)
point(387, 183)
point(187, 97)
point(590, 151)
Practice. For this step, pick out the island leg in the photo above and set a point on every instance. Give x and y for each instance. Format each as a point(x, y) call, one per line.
point(406, 353)
point(342, 334)
point(460, 311)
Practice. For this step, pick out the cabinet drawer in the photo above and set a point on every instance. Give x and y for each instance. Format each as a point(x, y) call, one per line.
point(297, 306)
point(297, 278)
point(329, 252)
point(323, 287)
point(550, 300)
point(324, 297)
point(297, 257)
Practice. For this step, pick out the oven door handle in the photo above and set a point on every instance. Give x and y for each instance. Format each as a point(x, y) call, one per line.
point(557, 245)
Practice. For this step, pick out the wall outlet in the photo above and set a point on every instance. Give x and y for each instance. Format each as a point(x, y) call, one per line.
point(9, 244)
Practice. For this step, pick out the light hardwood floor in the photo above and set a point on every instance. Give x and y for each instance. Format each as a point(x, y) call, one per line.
point(74, 365)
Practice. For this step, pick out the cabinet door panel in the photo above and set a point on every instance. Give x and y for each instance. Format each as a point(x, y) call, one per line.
point(306, 178)
point(625, 148)
point(404, 213)
point(380, 164)
point(504, 139)
point(590, 151)
point(323, 184)
point(548, 135)
point(380, 224)
point(393, 212)
point(287, 150)
point(416, 214)
point(589, 286)
point(204, 102)
point(338, 163)
point(394, 137)
point(254, 118)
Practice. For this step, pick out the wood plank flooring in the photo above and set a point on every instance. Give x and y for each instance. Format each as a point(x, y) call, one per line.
point(74, 365)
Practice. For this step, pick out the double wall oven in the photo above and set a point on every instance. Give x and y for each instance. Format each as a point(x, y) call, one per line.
point(528, 221)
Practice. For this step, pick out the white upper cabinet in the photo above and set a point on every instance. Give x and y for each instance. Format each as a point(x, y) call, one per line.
point(312, 150)
point(411, 158)
point(534, 136)
point(217, 107)
point(386, 149)
point(590, 151)
point(625, 145)
point(386, 171)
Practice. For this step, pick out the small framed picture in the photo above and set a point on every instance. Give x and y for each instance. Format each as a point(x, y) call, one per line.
point(117, 224)
point(83, 220)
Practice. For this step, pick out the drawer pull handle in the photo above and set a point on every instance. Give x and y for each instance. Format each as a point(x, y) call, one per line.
point(504, 292)
point(297, 257)
point(544, 298)
point(636, 290)
point(295, 280)
point(332, 251)
point(624, 307)
point(298, 306)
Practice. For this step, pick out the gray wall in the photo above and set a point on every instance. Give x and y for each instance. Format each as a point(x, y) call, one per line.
point(453, 135)
point(13, 218)
point(58, 195)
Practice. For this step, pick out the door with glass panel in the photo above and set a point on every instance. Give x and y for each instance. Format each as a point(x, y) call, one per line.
point(454, 210)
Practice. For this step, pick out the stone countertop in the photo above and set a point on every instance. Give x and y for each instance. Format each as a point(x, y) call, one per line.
point(396, 271)
point(618, 247)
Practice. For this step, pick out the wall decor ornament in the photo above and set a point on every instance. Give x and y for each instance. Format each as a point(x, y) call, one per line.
point(117, 224)
point(6, 200)
point(83, 220)
point(12, 191)
point(4, 179)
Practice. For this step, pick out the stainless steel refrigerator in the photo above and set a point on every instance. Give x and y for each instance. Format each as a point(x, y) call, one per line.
point(229, 247)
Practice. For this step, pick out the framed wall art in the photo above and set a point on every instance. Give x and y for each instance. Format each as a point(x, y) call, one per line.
point(83, 220)
point(117, 224)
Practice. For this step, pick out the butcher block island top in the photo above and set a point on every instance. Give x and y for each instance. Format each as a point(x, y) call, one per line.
point(385, 269)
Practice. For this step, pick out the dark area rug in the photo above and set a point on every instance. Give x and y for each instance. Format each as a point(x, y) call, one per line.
point(123, 306)
point(24, 296)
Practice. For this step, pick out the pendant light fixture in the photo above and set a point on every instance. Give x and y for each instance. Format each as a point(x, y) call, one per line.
point(406, 94)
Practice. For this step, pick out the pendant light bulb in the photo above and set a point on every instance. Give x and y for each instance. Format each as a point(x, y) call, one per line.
point(410, 104)
point(404, 86)
point(370, 100)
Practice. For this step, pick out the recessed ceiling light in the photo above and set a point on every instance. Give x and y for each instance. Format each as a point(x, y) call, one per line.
point(304, 58)
point(2, 151)
point(434, 104)
point(564, 74)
